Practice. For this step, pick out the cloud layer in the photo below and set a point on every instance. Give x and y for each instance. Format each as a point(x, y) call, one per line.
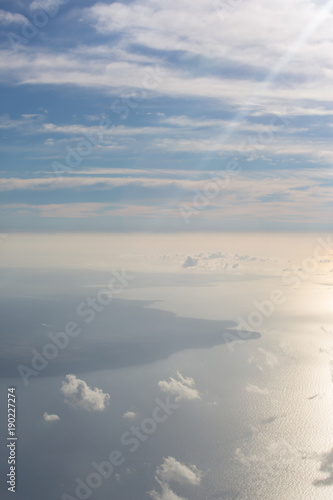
point(248, 81)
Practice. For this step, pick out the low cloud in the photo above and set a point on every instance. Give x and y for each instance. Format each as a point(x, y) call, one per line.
point(165, 494)
point(277, 455)
point(269, 358)
point(216, 255)
point(50, 418)
point(190, 262)
point(80, 395)
point(130, 415)
point(219, 261)
point(255, 389)
point(172, 471)
point(246, 460)
point(266, 358)
point(181, 387)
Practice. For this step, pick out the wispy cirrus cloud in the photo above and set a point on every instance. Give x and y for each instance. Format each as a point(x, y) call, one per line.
point(259, 98)
point(158, 193)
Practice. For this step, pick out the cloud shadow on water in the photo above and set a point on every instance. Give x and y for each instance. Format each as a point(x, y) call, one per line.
point(326, 466)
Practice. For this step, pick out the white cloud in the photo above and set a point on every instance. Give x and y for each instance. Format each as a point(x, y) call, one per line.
point(252, 42)
point(222, 144)
point(251, 184)
point(27, 122)
point(51, 6)
point(50, 418)
point(215, 255)
point(78, 394)
point(130, 415)
point(182, 26)
point(286, 195)
point(281, 447)
point(95, 131)
point(188, 139)
point(185, 121)
point(277, 455)
point(172, 471)
point(9, 17)
point(255, 389)
point(165, 494)
point(246, 460)
point(72, 68)
point(269, 358)
point(181, 387)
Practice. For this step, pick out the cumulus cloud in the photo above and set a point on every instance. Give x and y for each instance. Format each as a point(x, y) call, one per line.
point(190, 262)
point(215, 255)
point(50, 418)
point(281, 447)
point(220, 260)
point(165, 494)
point(130, 415)
point(246, 460)
point(277, 455)
point(80, 395)
point(255, 389)
point(179, 386)
point(172, 471)
point(269, 358)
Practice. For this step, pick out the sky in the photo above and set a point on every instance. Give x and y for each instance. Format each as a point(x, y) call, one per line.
point(166, 116)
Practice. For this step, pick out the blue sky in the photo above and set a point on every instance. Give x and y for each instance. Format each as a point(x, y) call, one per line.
point(166, 116)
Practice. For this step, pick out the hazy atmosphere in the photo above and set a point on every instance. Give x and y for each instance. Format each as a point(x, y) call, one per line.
point(166, 250)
